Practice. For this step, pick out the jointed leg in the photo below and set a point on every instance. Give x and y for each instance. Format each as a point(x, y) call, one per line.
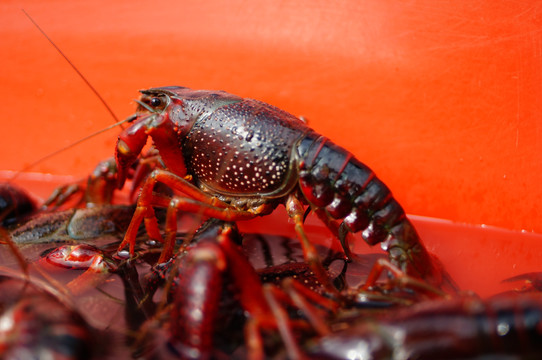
point(295, 211)
point(400, 278)
point(196, 202)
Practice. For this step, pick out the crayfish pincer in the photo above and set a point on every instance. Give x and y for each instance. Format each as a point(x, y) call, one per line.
point(234, 159)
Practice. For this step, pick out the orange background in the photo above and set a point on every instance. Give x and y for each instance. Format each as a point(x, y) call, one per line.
point(442, 99)
point(443, 102)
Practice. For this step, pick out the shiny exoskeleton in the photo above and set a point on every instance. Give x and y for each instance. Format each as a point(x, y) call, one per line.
point(505, 327)
point(217, 295)
point(38, 325)
point(15, 204)
point(238, 158)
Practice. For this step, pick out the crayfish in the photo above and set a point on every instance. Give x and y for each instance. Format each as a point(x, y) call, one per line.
point(235, 159)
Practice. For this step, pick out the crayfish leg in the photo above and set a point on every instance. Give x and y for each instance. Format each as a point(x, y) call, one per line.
point(531, 281)
point(98, 189)
point(295, 212)
point(341, 232)
point(302, 297)
point(401, 279)
point(197, 298)
point(265, 303)
point(196, 202)
point(272, 294)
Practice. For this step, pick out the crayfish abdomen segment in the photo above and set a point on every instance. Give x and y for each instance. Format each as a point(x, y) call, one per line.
point(332, 179)
point(353, 199)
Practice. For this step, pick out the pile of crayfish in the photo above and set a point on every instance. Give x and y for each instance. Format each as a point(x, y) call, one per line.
point(169, 275)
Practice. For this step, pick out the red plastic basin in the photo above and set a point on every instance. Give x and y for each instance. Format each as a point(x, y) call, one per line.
point(443, 102)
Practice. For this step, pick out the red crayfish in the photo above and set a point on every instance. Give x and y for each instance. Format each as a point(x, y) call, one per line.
point(503, 327)
point(235, 159)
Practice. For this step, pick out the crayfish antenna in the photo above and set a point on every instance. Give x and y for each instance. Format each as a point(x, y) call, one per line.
point(74, 68)
point(54, 153)
point(91, 87)
point(48, 282)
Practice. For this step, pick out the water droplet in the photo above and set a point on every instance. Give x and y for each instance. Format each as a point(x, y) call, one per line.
point(249, 136)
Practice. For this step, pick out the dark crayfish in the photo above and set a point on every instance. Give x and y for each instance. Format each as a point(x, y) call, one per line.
point(15, 204)
point(235, 159)
point(37, 324)
point(504, 327)
point(217, 299)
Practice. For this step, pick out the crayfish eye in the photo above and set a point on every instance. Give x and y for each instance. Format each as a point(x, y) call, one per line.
point(152, 103)
point(155, 102)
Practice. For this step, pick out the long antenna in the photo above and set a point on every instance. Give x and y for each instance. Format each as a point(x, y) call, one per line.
point(54, 153)
point(117, 122)
point(73, 66)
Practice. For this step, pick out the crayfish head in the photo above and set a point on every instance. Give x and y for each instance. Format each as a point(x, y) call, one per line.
point(150, 116)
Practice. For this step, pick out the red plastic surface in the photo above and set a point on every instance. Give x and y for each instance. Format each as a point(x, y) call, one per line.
point(442, 100)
